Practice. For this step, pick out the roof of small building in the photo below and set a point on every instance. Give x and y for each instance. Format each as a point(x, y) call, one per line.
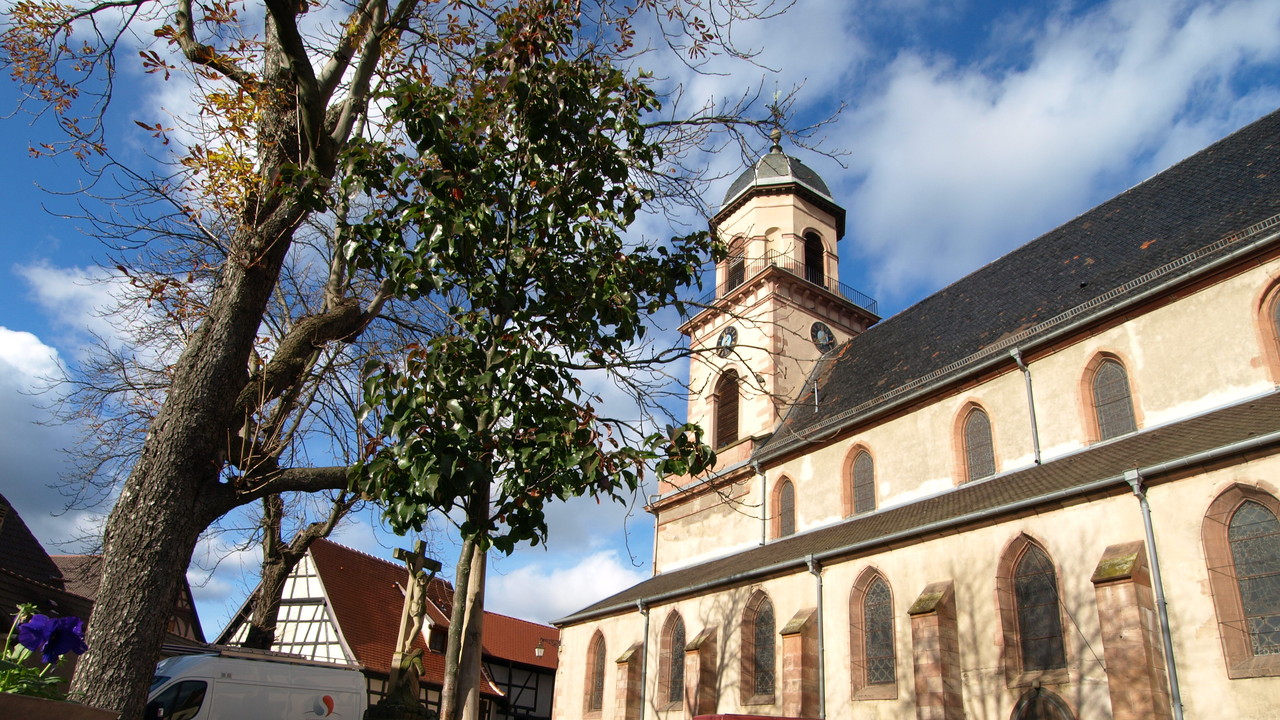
point(28, 575)
point(1179, 221)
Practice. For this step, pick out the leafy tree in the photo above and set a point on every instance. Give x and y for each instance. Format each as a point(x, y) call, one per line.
point(259, 189)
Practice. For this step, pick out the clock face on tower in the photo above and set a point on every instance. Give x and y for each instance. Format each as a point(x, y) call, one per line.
point(822, 337)
point(728, 338)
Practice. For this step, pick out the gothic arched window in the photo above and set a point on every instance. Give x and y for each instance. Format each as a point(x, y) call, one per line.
point(979, 453)
point(726, 398)
point(864, 483)
point(1039, 619)
point(595, 674)
point(1242, 547)
point(871, 638)
point(786, 509)
point(1112, 401)
point(671, 662)
point(814, 258)
point(759, 650)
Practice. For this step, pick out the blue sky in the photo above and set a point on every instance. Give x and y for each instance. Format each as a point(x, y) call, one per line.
point(970, 128)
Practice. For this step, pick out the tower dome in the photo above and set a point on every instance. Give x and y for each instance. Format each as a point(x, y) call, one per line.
point(776, 168)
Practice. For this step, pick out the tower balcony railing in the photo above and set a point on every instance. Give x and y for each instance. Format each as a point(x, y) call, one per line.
point(740, 270)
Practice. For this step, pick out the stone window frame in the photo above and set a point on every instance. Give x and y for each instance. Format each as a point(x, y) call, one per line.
point(849, 494)
point(1027, 702)
point(810, 242)
point(1268, 322)
point(860, 687)
point(1010, 632)
point(749, 661)
point(777, 523)
point(594, 687)
point(1088, 391)
point(964, 454)
point(727, 376)
point(671, 663)
point(1237, 650)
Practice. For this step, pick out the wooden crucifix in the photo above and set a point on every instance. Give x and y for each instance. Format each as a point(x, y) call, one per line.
point(403, 666)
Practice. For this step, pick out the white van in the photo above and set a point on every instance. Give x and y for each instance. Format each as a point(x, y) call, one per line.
point(241, 685)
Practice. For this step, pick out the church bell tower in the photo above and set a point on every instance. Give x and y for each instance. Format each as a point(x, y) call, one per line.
point(778, 305)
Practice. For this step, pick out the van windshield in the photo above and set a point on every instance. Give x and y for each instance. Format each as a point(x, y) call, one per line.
point(156, 682)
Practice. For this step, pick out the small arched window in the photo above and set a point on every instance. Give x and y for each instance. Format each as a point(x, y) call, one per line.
point(864, 483)
point(735, 267)
point(595, 674)
point(814, 258)
point(979, 454)
point(786, 509)
point(759, 651)
point(1039, 619)
point(727, 408)
point(1112, 401)
point(1241, 537)
point(671, 661)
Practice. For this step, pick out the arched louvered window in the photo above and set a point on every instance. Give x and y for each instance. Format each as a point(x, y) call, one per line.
point(1254, 535)
point(671, 662)
point(735, 267)
point(759, 650)
point(814, 257)
point(727, 409)
point(864, 483)
point(1039, 617)
point(1112, 401)
point(786, 509)
point(595, 674)
point(979, 454)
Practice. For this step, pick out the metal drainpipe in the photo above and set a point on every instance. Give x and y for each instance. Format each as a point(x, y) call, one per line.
point(1031, 401)
point(653, 568)
point(816, 569)
point(764, 503)
point(644, 654)
point(1134, 478)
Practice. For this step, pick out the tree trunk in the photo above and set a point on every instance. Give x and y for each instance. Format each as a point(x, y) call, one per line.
point(449, 698)
point(264, 607)
point(473, 639)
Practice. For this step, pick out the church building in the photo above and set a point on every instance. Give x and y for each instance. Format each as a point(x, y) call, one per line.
point(1049, 490)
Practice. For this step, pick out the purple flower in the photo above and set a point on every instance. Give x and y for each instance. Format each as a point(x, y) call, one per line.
point(52, 637)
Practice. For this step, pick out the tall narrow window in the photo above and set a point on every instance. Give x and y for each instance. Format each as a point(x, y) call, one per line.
point(814, 256)
point(758, 650)
point(671, 661)
point(1112, 401)
point(727, 409)
point(1254, 534)
point(786, 509)
point(871, 638)
point(595, 674)
point(735, 267)
point(1241, 536)
point(864, 483)
point(979, 455)
point(1039, 619)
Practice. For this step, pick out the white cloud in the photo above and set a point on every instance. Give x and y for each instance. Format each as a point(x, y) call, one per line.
point(961, 163)
point(536, 592)
point(74, 298)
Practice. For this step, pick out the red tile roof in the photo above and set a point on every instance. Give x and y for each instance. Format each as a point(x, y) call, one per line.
point(366, 602)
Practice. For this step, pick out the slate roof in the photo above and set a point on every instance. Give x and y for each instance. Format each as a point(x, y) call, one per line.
point(367, 603)
point(1097, 470)
point(28, 575)
point(1149, 236)
point(774, 168)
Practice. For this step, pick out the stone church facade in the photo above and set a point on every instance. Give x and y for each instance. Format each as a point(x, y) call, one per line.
point(1050, 490)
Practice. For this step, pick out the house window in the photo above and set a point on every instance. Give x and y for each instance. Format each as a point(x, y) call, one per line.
point(727, 409)
point(786, 509)
point(871, 638)
point(671, 662)
point(814, 256)
point(979, 454)
point(595, 674)
point(1112, 401)
point(864, 483)
point(759, 650)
